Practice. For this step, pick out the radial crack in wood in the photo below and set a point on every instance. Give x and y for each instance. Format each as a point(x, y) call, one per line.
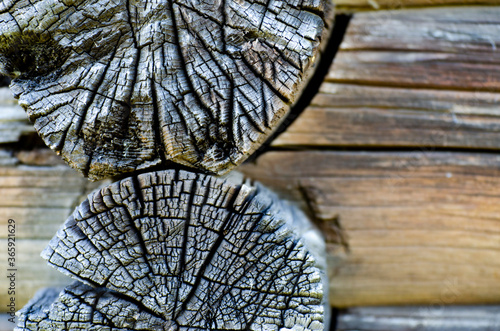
point(174, 248)
point(121, 85)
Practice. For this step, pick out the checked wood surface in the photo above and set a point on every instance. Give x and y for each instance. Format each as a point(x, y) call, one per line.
point(174, 250)
point(401, 175)
point(124, 85)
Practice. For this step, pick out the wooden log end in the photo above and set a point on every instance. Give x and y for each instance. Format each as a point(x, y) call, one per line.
point(35, 310)
point(136, 84)
point(186, 251)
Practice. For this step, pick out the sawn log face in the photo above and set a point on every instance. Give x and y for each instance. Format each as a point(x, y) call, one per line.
point(176, 250)
point(116, 86)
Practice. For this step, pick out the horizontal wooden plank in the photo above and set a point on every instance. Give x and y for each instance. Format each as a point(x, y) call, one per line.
point(475, 72)
point(34, 222)
point(39, 198)
point(349, 6)
point(410, 78)
point(13, 120)
point(453, 48)
point(437, 317)
point(442, 30)
point(353, 115)
point(398, 225)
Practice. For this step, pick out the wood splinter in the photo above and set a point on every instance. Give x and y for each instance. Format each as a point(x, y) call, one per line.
point(175, 250)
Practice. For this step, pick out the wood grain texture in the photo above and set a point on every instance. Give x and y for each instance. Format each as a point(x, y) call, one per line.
point(175, 250)
point(39, 199)
point(426, 77)
point(32, 272)
point(423, 318)
point(124, 85)
point(13, 120)
point(401, 228)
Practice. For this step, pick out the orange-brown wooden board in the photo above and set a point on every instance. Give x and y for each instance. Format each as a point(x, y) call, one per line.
point(421, 77)
point(400, 227)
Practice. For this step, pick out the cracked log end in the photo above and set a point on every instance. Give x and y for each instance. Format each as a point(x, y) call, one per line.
point(174, 250)
point(127, 84)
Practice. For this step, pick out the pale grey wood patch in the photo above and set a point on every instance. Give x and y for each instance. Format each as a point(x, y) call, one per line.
point(13, 121)
point(188, 249)
point(116, 86)
point(39, 199)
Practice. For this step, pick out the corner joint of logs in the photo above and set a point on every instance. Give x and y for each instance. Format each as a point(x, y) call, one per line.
point(119, 89)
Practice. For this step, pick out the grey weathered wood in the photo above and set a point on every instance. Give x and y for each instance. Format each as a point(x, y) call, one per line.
point(116, 86)
point(177, 250)
point(37, 191)
point(438, 317)
point(13, 121)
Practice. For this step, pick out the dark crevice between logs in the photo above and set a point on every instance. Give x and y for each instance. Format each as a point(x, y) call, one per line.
point(312, 88)
point(31, 150)
point(330, 227)
point(4, 81)
point(334, 317)
point(28, 141)
point(162, 166)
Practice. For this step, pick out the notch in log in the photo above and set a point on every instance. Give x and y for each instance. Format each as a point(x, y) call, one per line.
point(174, 250)
point(124, 85)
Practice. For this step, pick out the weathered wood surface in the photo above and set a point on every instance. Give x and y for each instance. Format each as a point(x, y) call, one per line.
point(175, 250)
point(124, 85)
point(429, 218)
point(424, 318)
point(401, 228)
point(426, 77)
point(37, 191)
point(13, 120)
point(38, 198)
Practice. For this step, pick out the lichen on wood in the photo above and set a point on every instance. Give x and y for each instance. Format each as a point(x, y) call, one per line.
point(122, 85)
point(175, 250)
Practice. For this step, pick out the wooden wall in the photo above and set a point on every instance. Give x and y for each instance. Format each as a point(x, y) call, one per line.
point(396, 159)
point(38, 192)
point(397, 156)
point(363, 5)
point(421, 318)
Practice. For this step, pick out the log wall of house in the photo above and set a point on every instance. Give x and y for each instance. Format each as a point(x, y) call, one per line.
point(38, 191)
point(396, 159)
